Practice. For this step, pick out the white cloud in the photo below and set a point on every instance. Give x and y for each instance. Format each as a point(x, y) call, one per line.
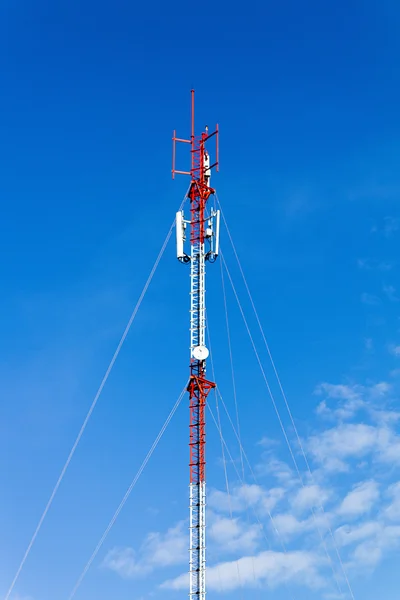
point(360, 500)
point(267, 442)
point(343, 441)
point(371, 539)
point(395, 350)
point(267, 568)
point(158, 550)
point(370, 264)
point(279, 469)
point(369, 552)
point(379, 390)
point(271, 499)
point(370, 299)
point(224, 502)
point(310, 496)
point(339, 391)
point(123, 561)
point(390, 292)
point(392, 511)
point(348, 534)
point(246, 496)
point(369, 344)
point(350, 398)
point(354, 440)
point(251, 494)
point(391, 225)
point(233, 534)
point(288, 525)
point(171, 548)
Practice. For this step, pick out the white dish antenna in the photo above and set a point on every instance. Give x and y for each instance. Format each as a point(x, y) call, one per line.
point(200, 353)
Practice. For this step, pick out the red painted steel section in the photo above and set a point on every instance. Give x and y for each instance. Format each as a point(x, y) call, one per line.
point(199, 387)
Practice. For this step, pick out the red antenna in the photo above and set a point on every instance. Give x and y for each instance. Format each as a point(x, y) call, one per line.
point(192, 142)
point(204, 246)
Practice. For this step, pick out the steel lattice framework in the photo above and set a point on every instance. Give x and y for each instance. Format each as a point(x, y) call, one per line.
point(203, 247)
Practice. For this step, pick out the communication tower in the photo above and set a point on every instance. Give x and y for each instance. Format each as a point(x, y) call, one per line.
point(204, 227)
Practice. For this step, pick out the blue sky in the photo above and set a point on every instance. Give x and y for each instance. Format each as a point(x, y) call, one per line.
point(307, 96)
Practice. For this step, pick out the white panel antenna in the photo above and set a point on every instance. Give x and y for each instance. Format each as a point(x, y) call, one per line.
point(216, 241)
point(180, 235)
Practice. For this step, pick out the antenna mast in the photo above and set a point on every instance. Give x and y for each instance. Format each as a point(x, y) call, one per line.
point(204, 246)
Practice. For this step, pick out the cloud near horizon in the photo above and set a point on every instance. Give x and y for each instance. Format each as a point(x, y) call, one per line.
point(350, 451)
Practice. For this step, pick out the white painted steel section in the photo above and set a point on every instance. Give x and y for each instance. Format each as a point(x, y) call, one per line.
point(197, 297)
point(197, 545)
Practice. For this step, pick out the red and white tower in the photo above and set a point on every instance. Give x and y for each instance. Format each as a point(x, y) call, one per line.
point(204, 245)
